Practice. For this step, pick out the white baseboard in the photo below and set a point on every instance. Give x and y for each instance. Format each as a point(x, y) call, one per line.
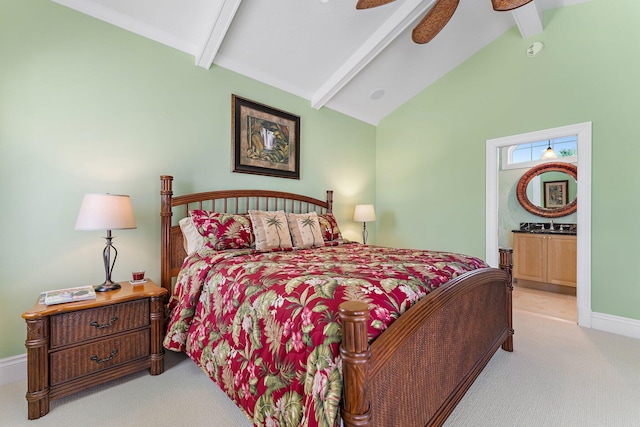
point(616, 325)
point(13, 369)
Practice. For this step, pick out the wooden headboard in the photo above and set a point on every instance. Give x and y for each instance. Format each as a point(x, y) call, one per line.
point(173, 209)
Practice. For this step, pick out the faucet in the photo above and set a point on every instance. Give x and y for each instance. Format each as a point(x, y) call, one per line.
point(550, 224)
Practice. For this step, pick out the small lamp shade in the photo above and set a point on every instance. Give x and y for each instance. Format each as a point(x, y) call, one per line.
point(364, 213)
point(105, 212)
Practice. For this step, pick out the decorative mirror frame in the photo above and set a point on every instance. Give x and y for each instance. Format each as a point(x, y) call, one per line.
point(521, 191)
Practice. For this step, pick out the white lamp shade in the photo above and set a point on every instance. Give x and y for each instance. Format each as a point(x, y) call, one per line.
point(364, 213)
point(105, 212)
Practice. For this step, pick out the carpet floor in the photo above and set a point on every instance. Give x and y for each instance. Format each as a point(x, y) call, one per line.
point(558, 375)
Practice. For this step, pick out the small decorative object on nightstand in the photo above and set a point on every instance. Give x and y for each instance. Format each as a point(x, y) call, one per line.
point(74, 346)
point(364, 214)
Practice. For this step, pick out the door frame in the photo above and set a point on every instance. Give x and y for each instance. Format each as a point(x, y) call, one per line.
point(583, 132)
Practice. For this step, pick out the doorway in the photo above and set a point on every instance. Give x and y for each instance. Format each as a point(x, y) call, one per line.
point(583, 133)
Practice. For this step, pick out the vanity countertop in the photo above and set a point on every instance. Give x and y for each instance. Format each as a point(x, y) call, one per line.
point(547, 231)
point(547, 228)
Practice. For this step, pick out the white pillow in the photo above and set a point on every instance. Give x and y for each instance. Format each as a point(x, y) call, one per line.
point(191, 239)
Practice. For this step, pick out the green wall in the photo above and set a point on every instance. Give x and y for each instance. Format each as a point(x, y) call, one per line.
point(430, 180)
point(89, 107)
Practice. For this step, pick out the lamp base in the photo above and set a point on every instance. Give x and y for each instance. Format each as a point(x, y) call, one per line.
point(107, 286)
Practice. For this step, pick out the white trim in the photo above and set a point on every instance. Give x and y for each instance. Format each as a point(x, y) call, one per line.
point(615, 324)
point(129, 23)
point(583, 131)
point(217, 32)
point(529, 19)
point(13, 369)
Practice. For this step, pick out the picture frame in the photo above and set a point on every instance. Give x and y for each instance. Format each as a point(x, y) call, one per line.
point(556, 194)
point(265, 140)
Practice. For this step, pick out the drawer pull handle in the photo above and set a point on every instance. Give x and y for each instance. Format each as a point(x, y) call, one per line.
point(106, 325)
point(106, 359)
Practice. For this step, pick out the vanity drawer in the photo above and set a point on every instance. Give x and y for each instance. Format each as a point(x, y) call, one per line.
point(89, 358)
point(77, 326)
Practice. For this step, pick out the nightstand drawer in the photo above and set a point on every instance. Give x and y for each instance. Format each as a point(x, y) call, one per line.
point(77, 326)
point(89, 358)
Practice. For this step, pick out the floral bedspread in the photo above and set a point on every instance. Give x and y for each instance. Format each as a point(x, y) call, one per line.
point(265, 326)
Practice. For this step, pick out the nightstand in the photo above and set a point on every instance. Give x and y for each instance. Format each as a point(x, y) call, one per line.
point(74, 346)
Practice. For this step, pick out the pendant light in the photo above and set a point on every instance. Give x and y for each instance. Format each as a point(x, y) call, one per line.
point(549, 153)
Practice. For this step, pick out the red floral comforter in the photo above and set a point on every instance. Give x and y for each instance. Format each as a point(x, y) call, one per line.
point(265, 328)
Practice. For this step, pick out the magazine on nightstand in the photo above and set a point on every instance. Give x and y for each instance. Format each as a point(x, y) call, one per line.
point(60, 296)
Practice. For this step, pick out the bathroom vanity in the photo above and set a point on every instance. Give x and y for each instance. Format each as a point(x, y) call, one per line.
point(546, 255)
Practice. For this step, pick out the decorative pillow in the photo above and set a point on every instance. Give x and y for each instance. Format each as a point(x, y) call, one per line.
point(191, 239)
point(329, 227)
point(271, 230)
point(222, 230)
point(305, 230)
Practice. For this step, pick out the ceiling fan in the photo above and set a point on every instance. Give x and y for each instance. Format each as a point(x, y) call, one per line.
point(439, 15)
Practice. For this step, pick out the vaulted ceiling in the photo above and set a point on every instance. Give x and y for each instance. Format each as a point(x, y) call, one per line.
point(360, 62)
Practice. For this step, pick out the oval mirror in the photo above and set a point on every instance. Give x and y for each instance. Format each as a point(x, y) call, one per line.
point(555, 185)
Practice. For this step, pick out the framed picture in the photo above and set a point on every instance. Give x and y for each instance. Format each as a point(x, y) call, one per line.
point(555, 194)
point(265, 141)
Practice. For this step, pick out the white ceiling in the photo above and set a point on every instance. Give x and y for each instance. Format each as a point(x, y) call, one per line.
point(325, 51)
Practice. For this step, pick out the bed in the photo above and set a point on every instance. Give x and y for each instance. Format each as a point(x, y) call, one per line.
point(367, 335)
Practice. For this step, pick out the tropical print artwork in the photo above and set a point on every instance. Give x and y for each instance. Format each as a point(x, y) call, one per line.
point(269, 141)
point(264, 325)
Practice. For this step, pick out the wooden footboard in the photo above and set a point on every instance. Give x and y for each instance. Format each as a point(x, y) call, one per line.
point(418, 370)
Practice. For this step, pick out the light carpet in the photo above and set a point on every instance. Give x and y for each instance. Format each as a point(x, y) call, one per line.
point(558, 375)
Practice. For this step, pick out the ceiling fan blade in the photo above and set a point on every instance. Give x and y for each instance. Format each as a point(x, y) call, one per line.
point(504, 5)
point(367, 4)
point(434, 21)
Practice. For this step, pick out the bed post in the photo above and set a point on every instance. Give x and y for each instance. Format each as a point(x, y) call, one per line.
point(355, 353)
point(506, 264)
point(165, 232)
point(329, 201)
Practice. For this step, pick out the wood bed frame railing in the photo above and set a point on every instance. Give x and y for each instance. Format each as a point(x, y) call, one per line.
point(172, 251)
point(416, 372)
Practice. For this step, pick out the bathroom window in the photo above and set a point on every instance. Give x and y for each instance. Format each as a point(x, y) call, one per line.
point(530, 154)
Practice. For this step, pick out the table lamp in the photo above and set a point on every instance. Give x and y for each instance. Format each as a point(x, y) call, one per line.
point(106, 212)
point(364, 214)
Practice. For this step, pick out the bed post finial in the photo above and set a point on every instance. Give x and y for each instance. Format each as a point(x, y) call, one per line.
point(166, 213)
point(329, 201)
point(355, 353)
point(506, 264)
